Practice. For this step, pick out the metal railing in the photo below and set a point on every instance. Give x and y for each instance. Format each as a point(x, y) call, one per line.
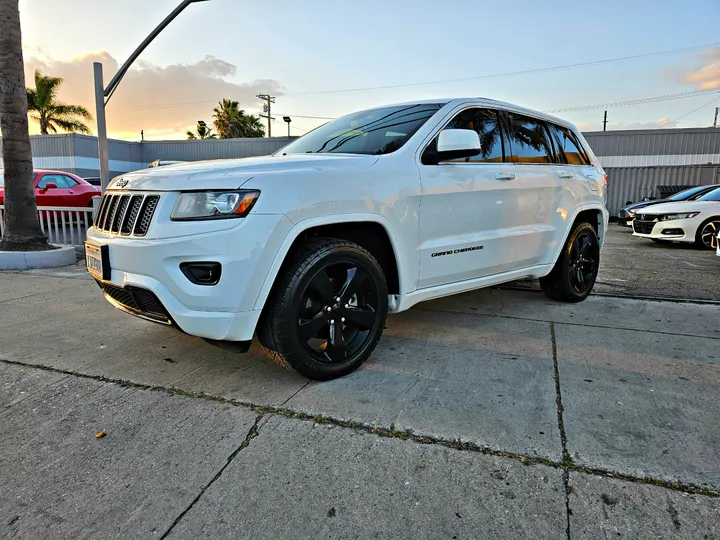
point(62, 224)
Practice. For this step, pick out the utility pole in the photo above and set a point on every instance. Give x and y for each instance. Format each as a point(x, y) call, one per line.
point(266, 108)
point(716, 115)
point(103, 94)
point(605, 122)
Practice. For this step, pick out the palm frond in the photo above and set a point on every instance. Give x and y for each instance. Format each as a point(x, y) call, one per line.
point(31, 99)
point(63, 109)
point(74, 126)
point(46, 89)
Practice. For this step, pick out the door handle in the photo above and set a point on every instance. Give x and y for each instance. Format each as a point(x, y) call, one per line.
point(505, 176)
point(565, 174)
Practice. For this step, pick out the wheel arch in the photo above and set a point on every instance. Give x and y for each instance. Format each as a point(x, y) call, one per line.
point(596, 215)
point(371, 231)
point(701, 227)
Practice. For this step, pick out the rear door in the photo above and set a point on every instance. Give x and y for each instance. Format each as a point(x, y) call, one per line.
point(543, 196)
point(576, 159)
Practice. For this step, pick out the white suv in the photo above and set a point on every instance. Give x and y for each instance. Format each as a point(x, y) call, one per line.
point(371, 213)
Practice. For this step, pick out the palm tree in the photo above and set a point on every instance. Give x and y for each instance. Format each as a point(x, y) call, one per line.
point(231, 122)
point(52, 114)
point(22, 227)
point(202, 131)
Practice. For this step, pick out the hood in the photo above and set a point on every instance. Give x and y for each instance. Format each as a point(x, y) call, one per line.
point(233, 173)
point(683, 206)
point(642, 204)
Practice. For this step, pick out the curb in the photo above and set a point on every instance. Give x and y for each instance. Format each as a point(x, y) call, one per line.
point(26, 260)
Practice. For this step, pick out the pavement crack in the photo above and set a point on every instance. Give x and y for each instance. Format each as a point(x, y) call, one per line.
point(254, 431)
point(568, 512)
point(381, 431)
point(296, 393)
point(673, 514)
point(566, 459)
point(565, 323)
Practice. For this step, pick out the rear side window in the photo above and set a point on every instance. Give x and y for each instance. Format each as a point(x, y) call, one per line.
point(529, 140)
point(569, 145)
point(60, 180)
point(70, 182)
point(714, 195)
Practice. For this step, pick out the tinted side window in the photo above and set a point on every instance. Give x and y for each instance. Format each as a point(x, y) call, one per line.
point(60, 180)
point(485, 122)
point(569, 145)
point(69, 182)
point(529, 140)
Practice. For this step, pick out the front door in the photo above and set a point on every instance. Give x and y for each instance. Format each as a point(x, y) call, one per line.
point(61, 195)
point(468, 208)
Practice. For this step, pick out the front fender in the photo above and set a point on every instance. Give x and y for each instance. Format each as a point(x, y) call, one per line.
point(298, 229)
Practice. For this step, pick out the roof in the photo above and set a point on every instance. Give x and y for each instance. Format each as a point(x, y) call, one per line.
point(453, 102)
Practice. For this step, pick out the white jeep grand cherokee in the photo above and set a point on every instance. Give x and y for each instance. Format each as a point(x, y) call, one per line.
point(371, 213)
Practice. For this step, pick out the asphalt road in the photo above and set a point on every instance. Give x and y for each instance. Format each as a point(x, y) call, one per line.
point(632, 266)
point(494, 414)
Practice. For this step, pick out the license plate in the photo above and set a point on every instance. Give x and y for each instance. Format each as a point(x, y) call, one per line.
point(97, 261)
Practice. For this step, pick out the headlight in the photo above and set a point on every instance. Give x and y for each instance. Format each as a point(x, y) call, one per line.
point(214, 205)
point(685, 215)
point(630, 213)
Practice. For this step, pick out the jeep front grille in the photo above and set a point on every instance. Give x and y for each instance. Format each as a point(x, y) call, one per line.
point(126, 213)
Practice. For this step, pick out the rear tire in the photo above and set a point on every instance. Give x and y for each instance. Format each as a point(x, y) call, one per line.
point(573, 276)
point(327, 312)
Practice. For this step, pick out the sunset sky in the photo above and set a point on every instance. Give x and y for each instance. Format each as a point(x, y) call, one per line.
point(308, 53)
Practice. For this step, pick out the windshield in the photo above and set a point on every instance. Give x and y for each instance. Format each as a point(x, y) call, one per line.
point(687, 194)
point(374, 132)
point(714, 195)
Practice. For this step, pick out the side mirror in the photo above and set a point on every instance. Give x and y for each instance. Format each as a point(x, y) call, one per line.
point(456, 144)
point(49, 185)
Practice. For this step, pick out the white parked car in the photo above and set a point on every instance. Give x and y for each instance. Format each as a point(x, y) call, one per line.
point(695, 221)
point(371, 213)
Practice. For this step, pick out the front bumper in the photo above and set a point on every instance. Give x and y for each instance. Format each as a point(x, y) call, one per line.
point(678, 230)
point(222, 312)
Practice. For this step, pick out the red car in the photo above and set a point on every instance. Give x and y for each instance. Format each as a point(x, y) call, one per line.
point(57, 188)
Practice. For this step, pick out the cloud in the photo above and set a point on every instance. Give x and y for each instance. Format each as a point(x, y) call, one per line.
point(708, 76)
point(617, 126)
point(156, 99)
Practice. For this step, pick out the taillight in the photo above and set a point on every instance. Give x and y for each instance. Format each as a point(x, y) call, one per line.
point(606, 183)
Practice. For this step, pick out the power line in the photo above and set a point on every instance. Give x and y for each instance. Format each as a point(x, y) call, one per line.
point(638, 101)
point(510, 73)
point(311, 117)
point(694, 110)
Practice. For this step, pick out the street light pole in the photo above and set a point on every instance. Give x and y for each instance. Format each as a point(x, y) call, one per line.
point(288, 120)
point(103, 95)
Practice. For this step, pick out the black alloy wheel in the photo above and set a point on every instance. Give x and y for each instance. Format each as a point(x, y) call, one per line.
point(574, 274)
point(338, 309)
point(583, 262)
point(327, 312)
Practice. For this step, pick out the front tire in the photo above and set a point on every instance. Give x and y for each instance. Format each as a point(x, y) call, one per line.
point(573, 276)
point(327, 313)
point(706, 236)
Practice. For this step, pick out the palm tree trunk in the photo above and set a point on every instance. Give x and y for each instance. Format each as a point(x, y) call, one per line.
point(22, 226)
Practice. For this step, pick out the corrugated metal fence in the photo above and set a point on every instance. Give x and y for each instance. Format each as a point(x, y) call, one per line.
point(635, 183)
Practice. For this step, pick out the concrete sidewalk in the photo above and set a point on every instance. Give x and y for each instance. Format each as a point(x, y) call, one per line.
point(491, 414)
